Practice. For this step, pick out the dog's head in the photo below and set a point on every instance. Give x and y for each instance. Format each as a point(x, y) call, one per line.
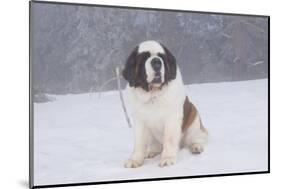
point(150, 65)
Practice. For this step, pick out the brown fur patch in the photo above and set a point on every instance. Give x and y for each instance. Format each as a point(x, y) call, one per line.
point(189, 112)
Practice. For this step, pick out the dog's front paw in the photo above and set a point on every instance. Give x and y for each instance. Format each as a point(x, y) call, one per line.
point(196, 148)
point(130, 163)
point(167, 161)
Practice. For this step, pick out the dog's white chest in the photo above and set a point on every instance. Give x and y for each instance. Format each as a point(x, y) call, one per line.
point(155, 109)
point(154, 114)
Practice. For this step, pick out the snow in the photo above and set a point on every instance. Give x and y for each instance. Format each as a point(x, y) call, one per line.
point(84, 138)
point(256, 63)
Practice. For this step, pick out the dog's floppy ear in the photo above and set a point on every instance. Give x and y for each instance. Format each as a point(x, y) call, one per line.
point(170, 64)
point(129, 70)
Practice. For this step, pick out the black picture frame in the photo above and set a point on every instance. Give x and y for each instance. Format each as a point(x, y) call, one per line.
point(31, 108)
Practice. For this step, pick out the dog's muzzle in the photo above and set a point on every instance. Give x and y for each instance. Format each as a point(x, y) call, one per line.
point(156, 64)
point(157, 78)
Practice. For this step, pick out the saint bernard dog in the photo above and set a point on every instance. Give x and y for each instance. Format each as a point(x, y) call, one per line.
point(164, 119)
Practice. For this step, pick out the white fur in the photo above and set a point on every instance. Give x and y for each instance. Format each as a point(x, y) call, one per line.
point(194, 134)
point(153, 46)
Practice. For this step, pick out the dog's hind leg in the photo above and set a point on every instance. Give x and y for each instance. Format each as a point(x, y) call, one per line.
point(195, 136)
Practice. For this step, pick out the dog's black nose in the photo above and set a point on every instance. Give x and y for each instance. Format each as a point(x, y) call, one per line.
point(156, 64)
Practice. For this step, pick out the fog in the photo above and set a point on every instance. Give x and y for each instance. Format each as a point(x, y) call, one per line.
point(75, 49)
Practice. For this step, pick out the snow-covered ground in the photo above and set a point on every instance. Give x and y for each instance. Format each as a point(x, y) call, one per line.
point(84, 138)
